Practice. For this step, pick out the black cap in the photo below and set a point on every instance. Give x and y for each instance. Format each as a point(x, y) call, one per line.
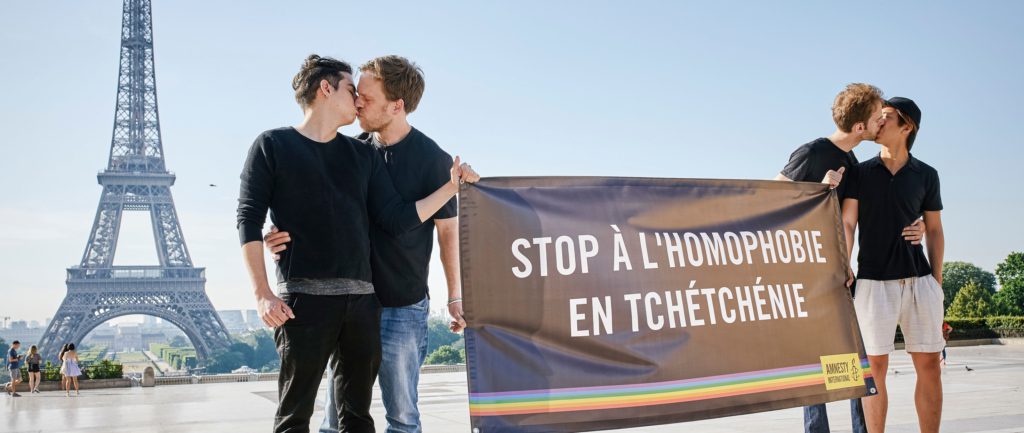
point(907, 107)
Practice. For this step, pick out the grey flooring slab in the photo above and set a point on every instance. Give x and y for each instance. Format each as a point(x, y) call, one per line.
point(989, 399)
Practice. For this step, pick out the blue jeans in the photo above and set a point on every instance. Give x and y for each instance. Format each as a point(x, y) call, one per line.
point(816, 418)
point(403, 337)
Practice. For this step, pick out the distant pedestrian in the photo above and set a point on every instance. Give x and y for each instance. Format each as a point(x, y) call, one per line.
point(947, 330)
point(33, 360)
point(14, 368)
point(70, 369)
point(60, 361)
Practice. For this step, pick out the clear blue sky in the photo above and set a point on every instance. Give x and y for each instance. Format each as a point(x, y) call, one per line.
point(665, 89)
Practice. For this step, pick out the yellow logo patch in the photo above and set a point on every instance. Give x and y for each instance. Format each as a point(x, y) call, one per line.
point(842, 371)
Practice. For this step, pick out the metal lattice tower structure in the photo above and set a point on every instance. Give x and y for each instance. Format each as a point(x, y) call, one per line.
point(136, 180)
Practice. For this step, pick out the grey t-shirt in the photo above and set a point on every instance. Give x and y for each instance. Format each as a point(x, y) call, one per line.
point(13, 354)
point(326, 286)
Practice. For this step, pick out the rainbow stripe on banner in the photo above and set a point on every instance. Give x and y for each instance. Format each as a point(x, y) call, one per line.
point(647, 394)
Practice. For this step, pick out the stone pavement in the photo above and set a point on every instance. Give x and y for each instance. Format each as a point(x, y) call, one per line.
point(989, 399)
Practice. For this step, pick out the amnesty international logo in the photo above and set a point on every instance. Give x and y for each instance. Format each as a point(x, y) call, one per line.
point(841, 371)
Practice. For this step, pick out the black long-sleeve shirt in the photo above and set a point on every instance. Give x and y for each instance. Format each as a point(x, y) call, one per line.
point(401, 264)
point(324, 195)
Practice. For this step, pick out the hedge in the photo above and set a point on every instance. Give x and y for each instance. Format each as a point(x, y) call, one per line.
point(971, 328)
point(101, 370)
point(176, 357)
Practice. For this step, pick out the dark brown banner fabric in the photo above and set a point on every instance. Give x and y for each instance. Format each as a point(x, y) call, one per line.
point(599, 303)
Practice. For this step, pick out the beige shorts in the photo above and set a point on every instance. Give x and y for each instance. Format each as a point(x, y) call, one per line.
point(915, 304)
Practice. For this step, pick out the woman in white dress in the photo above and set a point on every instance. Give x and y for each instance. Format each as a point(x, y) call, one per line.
point(69, 366)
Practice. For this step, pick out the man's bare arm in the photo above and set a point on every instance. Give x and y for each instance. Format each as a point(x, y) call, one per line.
point(936, 242)
point(272, 310)
point(850, 215)
point(448, 239)
point(429, 205)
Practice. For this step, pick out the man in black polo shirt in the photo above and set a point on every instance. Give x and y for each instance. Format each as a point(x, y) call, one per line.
point(325, 189)
point(856, 112)
point(896, 283)
point(390, 88)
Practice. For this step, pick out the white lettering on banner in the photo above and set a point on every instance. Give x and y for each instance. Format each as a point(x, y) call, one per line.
point(565, 255)
point(691, 307)
point(567, 251)
point(573, 254)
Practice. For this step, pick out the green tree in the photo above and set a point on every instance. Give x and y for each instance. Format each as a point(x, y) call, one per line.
point(971, 301)
point(225, 361)
point(1003, 304)
point(236, 355)
point(438, 334)
point(274, 365)
point(266, 350)
point(4, 347)
point(245, 350)
point(956, 275)
point(180, 341)
point(446, 355)
point(1010, 297)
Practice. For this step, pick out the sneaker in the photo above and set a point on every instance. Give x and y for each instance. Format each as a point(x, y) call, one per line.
point(15, 395)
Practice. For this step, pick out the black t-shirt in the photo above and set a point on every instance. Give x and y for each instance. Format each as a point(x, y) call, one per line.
point(811, 161)
point(401, 263)
point(887, 203)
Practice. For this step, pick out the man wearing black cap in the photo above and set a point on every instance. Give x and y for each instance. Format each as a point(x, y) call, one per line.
point(896, 283)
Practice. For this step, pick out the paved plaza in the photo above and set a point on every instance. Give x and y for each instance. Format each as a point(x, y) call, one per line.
point(989, 399)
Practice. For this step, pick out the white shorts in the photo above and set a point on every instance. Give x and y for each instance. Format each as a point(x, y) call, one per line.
point(915, 304)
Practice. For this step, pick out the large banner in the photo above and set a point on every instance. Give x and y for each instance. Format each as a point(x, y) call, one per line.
point(599, 303)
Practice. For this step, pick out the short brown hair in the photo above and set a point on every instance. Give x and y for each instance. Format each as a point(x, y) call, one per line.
point(854, 105)
point(401, 79)
point(313, 70)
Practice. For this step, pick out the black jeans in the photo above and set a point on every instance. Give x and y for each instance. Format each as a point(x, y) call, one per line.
point(345, 326)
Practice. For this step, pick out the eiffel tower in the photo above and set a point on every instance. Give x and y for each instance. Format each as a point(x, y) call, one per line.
point(136, 179)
